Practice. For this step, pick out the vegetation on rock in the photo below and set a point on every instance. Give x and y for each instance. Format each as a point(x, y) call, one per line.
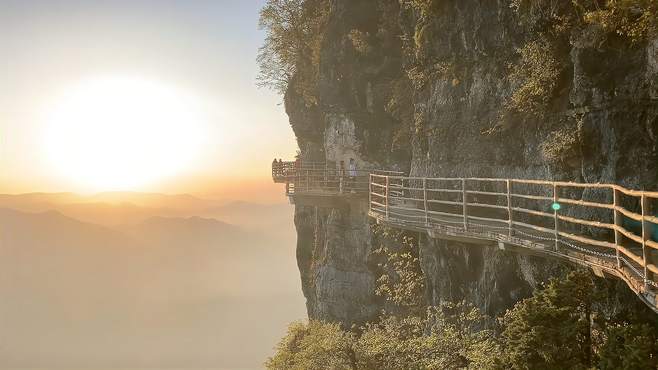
point(553, 26)
point(314, 346)
point(291, 53)
point(401, 282)
point(562, 326)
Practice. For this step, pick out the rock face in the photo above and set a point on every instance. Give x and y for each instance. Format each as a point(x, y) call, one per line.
point(429, 94)
point(332, 253)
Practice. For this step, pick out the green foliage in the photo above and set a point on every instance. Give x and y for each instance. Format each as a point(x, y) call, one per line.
point(313, 346)
point(562, 144)
point(629, 346)
point(536, 75)
point(552, 329)
point(359, 40)
point(448, 337)
point(551, 24)
point(421, 74)
point(635, 19)
point(561, 326)
point(424, 7)
point(292, 45)
point(400, 107)
point(402, 282)
point(426, 11)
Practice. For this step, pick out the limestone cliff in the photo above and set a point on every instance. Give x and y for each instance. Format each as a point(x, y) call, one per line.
point(445, 88)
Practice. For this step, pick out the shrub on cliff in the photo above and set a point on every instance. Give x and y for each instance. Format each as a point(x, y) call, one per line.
point(629, 346)
point(535, 75)
point(448, 337)
point(292, 45)
point(314, 346)
point(635, 19)
point(560, 327)
point(542, 66)
point(552, 329)
point(401, 282)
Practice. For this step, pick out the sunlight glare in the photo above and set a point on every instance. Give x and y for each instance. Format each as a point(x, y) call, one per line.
point(122, 133)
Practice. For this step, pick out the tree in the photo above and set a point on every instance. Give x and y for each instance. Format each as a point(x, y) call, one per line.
point(552, 329)
point(314, 346)
point(448, 337)
point(402, 281)
point(629, 346)
point(292, 41)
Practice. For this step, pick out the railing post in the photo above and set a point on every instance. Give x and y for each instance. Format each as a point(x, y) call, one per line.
point(465, 204)
point(387, 195)
point(618, 223)
point(370, 192)
point(427, 219)
point(557, 232)
point(509, 207)
point(646, 254)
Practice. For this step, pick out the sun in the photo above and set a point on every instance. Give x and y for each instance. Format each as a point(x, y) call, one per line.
point(122, 133)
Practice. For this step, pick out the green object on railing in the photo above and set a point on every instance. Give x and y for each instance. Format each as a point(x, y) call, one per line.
point(556, 206)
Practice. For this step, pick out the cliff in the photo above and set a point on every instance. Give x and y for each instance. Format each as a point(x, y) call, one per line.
point(519, 89)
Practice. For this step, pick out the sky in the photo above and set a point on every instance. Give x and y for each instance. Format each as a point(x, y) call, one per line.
point(139, 95)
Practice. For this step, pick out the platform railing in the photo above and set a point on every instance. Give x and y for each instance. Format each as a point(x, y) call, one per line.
point(602, 225)
point(283, 172)
point(321, 178)
point(328, 181)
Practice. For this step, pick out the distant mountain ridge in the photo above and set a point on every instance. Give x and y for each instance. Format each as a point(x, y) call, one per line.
point(113, 209)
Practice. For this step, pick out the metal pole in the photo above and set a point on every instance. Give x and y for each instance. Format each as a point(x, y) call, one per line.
point(387, 183)
point(427, 219)
point(370, 192)
point(509, 207)
point(618, 223)
point(646, 257)
point(465, 204)
point(557, 232)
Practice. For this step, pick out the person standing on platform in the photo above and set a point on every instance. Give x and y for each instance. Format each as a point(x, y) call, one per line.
point(341, 176)
point(353, 174)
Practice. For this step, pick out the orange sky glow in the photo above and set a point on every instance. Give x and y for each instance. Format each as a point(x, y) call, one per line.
point(92, 102)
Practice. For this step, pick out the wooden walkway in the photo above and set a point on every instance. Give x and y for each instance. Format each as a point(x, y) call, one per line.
point(587, 224)
point(607, 228)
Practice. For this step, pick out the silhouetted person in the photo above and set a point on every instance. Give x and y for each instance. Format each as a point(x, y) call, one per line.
point(341, 176)
point(353, 175)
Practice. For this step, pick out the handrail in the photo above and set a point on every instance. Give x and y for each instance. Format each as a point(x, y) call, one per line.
point(519, 212)
point(325, 179)
point(615, 235)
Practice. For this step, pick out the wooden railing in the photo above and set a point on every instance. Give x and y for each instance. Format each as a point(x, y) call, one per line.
point(606, 227)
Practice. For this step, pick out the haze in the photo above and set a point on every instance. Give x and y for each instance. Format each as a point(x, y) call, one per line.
point(139, 227)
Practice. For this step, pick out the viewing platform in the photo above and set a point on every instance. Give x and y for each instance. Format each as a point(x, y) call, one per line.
point(323, 184)
point(607, 228)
